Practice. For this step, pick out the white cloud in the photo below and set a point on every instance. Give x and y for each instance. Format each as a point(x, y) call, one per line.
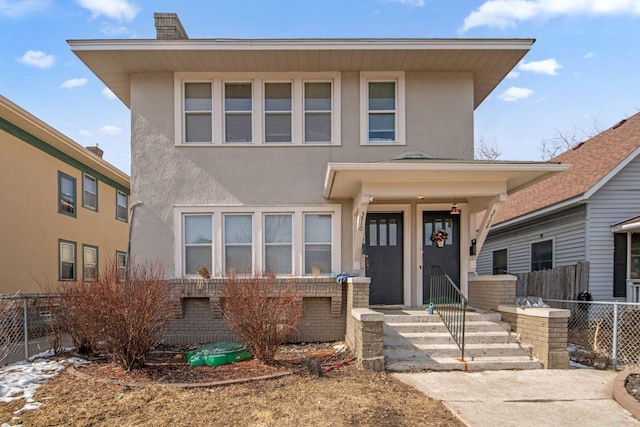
point(121, 10)
point(589, 55)
point(512, 75)
point(18, 8)
point(508, 13)
point(106, 92)
point(114, 30)
point(416, 3)
point(37, 58)
point(71, 83)
point(514, 94)
point(84, 133)
point(110, 130)
point(547, 66)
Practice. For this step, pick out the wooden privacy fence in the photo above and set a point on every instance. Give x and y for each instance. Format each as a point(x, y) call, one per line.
point(562, 283)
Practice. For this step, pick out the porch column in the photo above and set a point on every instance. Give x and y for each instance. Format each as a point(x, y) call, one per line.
point(484, 228)
point(360, 205)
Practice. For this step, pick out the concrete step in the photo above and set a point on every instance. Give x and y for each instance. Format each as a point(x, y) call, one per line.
point(471, 351)
point(394, 339)
point(417, 316)
point(453, 364)
point(432, 327)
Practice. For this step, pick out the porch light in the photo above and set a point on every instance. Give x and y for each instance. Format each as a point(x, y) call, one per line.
point(455, 210)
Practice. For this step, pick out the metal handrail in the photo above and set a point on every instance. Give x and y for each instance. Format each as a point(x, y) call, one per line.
point(450, 304)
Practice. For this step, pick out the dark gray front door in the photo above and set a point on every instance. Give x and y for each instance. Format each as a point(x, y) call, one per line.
point(384, 258)
point(446, 255)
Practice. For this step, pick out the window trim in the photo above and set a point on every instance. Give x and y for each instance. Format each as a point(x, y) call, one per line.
point(124, 254)
point(75, 260)
point(266, 112)
point(62, 175)
point(257, 81)
point(84, 263)
point(184, 112)
point(252, 112)
point(400, 122)
point(126, 198)
point(553, 251)
point(493, 267)
point(258, 213)
point(84, 192)
point(265, 244)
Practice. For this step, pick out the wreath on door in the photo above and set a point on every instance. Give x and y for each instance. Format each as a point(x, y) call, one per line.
point(439, 236)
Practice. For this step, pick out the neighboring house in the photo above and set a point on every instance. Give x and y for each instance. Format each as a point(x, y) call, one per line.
point(309, 157)
point(65, 210)
point(587, 213)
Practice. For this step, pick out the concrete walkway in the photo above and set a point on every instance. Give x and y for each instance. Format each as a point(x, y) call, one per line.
point(571, 397)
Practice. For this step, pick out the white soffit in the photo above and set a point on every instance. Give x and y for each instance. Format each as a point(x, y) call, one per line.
point(344, 180)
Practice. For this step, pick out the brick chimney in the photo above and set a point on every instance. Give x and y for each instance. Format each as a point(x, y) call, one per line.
point(96, 150)
point(169, 27)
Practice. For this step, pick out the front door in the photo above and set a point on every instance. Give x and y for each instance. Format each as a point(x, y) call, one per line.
point(440, 246)
point(384, 258)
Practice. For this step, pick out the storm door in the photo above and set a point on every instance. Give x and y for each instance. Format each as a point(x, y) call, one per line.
point(440, 246)
point(384, 258)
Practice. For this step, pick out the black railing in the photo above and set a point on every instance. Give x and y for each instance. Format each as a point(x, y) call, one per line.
point(449, 303)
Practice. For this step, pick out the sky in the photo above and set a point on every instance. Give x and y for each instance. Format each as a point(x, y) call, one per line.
point(583, 71)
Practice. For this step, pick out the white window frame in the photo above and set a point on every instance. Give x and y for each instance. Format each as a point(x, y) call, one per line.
point(184, 113)
point(85, 191)
point(258, 213)
point(251, 113)
point(264, 240)
point(266, 113)
point(184, 245)
point(400, 123)
point(257, 81)
point(225, 245)
point(126, 206)
point(85, 264)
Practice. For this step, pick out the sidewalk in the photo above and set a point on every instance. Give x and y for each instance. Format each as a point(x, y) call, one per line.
point(535, 398)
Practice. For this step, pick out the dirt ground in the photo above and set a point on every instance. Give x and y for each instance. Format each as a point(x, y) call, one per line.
point(98, 394)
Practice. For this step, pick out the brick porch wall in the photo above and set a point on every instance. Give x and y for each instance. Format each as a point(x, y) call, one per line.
point(488, 292)
point(199, 319)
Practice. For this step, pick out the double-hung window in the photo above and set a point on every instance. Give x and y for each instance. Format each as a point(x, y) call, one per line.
point(278, 243)
point(258, 109)
point(317, 112)
point(121, 264)
point(198, 113)
point(89, 263)
point(317, 244)
point(66, 194)
point(277, 112)
point(238, 112)
point(382, 108)
point(122, 206)
point(67, 260)
point(542, 255)
point(89, 192)
point(238, 243)
point(198, 240)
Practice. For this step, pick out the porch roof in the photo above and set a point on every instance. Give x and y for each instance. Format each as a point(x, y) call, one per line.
point(434, 179)
point(632, 224)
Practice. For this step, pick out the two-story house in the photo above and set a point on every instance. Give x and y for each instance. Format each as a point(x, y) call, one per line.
point(65, 209)
point(308, 158)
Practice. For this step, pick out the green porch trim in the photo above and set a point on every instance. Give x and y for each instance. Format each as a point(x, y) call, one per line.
point(25, 136)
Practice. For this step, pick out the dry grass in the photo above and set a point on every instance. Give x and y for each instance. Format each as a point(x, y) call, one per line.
point(346, 396)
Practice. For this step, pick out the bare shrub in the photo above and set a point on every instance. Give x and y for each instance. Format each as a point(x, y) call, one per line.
point(262, 312)
point(121, 317)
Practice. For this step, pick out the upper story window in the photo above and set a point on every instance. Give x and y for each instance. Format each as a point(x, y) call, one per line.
point(198, 113)
point(66, 194)
point(267, 108)
point(382, 108)
point(237, 110)
point(122, 206)
point(277, 112)
point(542, 255)
point(89, 192)
point(500, 262)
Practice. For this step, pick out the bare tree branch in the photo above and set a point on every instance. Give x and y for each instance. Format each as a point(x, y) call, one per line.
point(566, 140)
point(486, 151)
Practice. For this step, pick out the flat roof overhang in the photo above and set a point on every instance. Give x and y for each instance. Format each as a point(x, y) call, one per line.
point(488, 61)
point(435, 180)
point(630, 225)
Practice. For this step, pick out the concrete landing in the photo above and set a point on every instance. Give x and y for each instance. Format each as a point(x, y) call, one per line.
point(538, 398)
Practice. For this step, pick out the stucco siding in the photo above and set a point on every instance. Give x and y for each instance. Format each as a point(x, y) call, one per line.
point(166, 174)
point(566, 229)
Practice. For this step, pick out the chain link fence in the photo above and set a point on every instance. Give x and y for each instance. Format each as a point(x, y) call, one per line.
point(28, 326)
point(603, 334)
